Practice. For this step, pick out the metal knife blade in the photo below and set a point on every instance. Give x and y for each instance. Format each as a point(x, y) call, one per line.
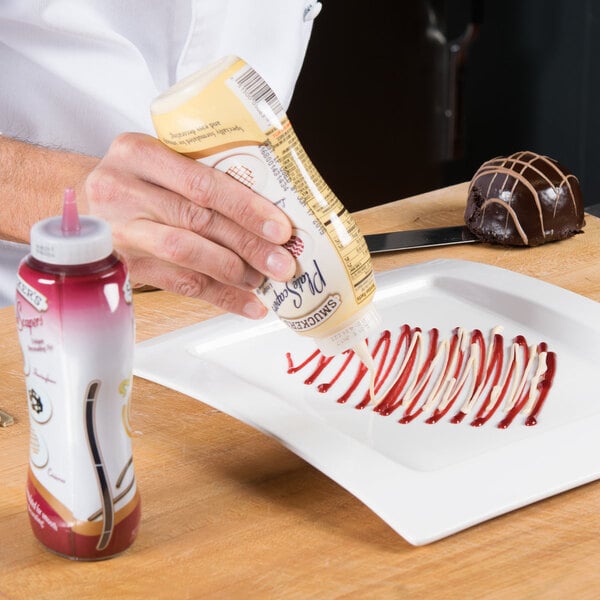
point(419, 238)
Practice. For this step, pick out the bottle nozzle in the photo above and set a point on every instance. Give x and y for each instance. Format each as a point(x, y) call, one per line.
point(70, 216)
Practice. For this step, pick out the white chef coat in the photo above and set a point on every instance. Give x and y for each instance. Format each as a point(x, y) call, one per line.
point(75, 73)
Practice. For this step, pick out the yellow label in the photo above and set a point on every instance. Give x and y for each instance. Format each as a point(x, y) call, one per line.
point(210, 122)
point(237, 108)
point(332, 216)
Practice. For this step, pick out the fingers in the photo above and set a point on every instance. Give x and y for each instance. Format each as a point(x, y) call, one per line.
point(196, 285)
point(188, 228)
point(161, 223)
point(191, 252)
point(150, 160)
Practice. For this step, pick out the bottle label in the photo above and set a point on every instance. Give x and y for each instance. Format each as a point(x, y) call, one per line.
point(236, 124)
point(77, 346)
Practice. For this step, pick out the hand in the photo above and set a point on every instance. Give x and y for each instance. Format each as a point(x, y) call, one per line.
point(186, 227)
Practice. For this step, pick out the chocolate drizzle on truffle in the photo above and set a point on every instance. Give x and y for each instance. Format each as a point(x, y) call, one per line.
point(525, 199)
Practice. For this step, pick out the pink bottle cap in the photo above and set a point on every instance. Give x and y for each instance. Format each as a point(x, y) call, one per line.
point(70, 217)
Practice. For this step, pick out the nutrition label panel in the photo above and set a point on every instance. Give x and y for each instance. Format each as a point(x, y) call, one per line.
point(331, 217)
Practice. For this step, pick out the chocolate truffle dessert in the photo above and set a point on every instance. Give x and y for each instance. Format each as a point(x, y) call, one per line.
point(524, 200)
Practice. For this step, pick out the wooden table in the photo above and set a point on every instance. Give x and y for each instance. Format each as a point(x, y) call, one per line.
point(228, 512)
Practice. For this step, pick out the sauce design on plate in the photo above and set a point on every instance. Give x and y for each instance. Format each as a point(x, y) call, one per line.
point(424, 375)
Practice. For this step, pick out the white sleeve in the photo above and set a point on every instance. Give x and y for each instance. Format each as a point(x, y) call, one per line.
point(75, 73)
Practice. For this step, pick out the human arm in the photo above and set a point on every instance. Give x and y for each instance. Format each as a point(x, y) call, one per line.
point(178, 224)
point(32, 181)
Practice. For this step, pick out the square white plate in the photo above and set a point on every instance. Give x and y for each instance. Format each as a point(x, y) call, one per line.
point(426, 481)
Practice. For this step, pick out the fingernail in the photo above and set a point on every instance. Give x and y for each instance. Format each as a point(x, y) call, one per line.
point(274, 232)
point(281, 264)
point(254, 310)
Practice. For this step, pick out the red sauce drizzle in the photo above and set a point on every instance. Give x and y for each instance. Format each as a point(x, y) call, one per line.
point(464, 368)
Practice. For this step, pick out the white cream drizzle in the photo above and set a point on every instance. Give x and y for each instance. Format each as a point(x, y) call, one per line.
point(436, 378)
point(362, 351)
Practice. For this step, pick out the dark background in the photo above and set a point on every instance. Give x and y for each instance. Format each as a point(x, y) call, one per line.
point(398, 98)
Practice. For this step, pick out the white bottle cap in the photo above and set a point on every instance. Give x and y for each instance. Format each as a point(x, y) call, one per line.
point(351, 332)
point(190, 86)
point(70, 239)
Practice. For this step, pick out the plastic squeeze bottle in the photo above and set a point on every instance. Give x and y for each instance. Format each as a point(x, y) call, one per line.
point(76, 330)
point(228, 117)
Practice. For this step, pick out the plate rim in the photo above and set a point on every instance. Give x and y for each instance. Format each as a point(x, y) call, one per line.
point(391, 490)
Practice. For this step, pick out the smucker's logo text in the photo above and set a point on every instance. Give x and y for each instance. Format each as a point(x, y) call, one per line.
point(316, 317)
point(37, 300)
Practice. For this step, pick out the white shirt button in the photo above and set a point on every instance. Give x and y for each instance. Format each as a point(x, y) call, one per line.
point(312, 10)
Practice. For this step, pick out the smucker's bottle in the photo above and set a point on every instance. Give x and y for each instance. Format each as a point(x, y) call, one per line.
point(76, 329)
point(228, 117)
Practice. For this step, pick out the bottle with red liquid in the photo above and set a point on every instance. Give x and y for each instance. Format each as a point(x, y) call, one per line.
point(76, 330)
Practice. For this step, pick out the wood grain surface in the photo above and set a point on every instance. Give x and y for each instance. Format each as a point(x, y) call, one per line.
point(230, 513)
